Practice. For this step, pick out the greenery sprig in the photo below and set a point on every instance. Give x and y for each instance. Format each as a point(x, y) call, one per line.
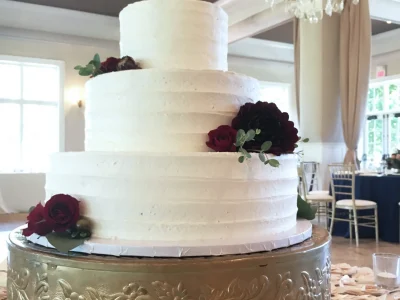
point(92, 68)
point(305, 140)
point(243, 137)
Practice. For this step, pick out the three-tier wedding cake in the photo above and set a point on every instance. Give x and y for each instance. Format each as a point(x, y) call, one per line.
point(147, 177)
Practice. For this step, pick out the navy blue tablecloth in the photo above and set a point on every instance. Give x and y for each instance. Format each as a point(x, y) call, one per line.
point(385, 191)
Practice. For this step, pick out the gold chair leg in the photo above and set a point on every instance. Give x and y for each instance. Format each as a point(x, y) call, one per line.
point(376, 226)
point(356, 225)
point(326, 215)
point(350, 227)
point(332, 218)
point(319, 212)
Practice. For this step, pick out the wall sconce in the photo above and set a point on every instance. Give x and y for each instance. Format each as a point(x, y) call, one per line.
point(75, 96)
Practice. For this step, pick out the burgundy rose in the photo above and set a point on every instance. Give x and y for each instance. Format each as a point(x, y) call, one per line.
point(110, 65)
point(62, 211)
point(127, 63)
point(222, 139)
point(274, 125)
point(36, 222)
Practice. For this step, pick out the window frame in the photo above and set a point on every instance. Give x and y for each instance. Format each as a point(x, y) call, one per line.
point(384, 114)
point(21, 102)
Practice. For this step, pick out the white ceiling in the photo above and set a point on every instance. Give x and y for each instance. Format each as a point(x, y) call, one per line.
point(247, 17)
point(102, 7)
point(284, 33)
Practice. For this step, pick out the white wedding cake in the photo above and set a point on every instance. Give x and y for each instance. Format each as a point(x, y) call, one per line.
point(147, 175)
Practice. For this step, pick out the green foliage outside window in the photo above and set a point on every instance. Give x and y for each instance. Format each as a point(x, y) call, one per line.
point(382, 130)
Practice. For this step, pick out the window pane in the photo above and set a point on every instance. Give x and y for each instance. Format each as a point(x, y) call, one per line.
point(378, 94)
point(10, 81)
point(394, 134)
point(41, 83)
point(9, 137)
point(370, 101)
point(394, 97)
point(40, 137)
point(375, 140)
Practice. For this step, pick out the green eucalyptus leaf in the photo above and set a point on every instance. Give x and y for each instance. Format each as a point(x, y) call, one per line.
point(266, 146)
point(241, 159)
point(305, 210)
point(91, 67)
point(258, 131)
point(250, 135)
point(306, 140)
point(296, 146)
point(273, 163)
point(262, 157)
point(85, 72)
point(78, 67)
point(240, 134)
point(245, 153)
point(63, 241)
point(94, 64)
point(96, 61)
point(240, 138)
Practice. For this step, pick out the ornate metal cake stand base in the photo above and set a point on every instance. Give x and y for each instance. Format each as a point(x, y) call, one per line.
point(295, 273)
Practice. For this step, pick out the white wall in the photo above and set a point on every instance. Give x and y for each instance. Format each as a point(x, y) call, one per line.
point(391, 61)
point(21, 191)
point(265, 70)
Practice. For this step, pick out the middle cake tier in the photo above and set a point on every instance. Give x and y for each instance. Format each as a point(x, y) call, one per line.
point(162, 110)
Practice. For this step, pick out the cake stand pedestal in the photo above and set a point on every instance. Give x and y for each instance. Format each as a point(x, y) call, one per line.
point(300, 272)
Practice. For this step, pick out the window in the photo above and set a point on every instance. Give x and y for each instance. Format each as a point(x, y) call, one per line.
point(30, 113)
point(277, 93)
point(382, 127)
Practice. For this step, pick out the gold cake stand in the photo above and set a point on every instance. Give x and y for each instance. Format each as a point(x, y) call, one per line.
point(301, 272)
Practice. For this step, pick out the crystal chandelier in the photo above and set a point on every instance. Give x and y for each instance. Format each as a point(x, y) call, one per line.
point(313, 10)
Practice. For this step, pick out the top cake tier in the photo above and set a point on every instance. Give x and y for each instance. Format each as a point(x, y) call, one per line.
point(175, 34)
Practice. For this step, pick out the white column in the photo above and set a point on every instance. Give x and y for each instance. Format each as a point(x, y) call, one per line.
point(320, 119)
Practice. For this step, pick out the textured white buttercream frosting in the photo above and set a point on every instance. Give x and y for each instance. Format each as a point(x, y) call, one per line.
point(175, 197)
point(185, 34)
point(162, 110)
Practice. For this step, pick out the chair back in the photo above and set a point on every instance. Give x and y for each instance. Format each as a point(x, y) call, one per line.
point(342, 181)
point(310, 176)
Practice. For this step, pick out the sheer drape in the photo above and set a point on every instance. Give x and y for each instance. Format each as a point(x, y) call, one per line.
point(355, 59)
point(296, 41)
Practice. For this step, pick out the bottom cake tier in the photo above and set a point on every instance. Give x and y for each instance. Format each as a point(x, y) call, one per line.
point(178, 197)
point(296, 273)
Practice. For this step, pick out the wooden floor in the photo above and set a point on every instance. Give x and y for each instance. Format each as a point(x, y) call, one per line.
point(342, 250)
point(361, 256)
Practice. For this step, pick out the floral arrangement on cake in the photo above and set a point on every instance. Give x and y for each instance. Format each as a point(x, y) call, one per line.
point(393, 162)
point(60, 221)
point(257, 128)
point(112, 64)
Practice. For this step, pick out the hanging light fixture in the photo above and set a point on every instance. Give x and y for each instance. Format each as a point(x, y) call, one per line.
point(313, 10)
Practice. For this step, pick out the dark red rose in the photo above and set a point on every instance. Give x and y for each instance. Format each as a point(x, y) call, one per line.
point(36, 222)
point(127, 63)
point(274, 125)
point(222, 139)
point(110, 65)
point(62, 211)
